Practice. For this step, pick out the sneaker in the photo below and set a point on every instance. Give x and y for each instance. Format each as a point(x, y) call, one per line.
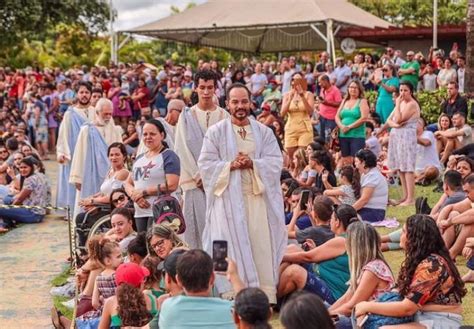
point(69, 304)
point(67, 290)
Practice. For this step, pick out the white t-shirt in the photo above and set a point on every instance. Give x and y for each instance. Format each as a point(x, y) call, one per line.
point(372, 143)
point(341, 74)
point(148, 172)
point(465, 138)
point(258, 81)
point(461, 72)
point(375, 179)
point(286, 81)
point(427, 155)
point(429, 82)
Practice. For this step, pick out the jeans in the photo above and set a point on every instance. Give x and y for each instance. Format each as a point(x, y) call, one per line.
point(143, 223)
point(325, 128)
point(20, 215)
point(438, 320)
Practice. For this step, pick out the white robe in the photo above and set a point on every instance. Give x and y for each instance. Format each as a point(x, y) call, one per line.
point(189, 168)
point(227, 206)
point(62, 146)
point(109, 132)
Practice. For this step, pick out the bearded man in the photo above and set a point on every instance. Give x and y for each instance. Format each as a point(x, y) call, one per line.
point(240, 166)
point(91, 157)
point(74, 117)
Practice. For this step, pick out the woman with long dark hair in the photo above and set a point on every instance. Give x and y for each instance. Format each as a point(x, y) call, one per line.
point(33, 192)
point(154, 172)
point(403, 140)
point(428, 281)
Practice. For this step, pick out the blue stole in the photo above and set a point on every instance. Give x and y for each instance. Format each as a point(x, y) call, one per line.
point(66, 195)
point(96, 164)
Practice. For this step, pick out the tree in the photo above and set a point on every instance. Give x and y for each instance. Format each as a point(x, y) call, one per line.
point(35, 19)
point(415, 12)
point(469, 79)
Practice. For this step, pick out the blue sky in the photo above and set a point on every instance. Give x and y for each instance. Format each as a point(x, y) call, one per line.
point(133, 13)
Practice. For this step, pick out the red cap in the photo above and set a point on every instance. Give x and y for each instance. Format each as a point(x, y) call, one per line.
point(266, 107)
point(131, 274)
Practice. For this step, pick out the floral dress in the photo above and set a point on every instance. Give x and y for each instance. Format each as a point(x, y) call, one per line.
point(402, 147)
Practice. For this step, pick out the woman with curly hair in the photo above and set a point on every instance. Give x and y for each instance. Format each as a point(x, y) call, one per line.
point(130, 306)
point(428, 282)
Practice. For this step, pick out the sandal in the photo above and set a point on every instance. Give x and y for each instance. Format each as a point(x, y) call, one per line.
point(55, 316)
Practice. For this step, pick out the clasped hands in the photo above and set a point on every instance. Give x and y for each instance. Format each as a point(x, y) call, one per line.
point(242, 161)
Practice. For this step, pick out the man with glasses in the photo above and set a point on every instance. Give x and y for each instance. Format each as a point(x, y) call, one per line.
point(409, 71)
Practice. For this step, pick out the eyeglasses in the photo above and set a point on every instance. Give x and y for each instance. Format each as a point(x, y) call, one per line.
point(119, 199)
point(159, 244)
point(177, 110)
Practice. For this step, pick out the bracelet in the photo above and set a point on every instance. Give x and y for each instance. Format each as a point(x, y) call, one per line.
point(144, 193)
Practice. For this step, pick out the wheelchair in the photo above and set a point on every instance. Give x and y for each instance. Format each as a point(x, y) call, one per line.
point(84, 230)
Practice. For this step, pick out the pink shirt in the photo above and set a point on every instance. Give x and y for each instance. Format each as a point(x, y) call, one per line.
point(331, 95)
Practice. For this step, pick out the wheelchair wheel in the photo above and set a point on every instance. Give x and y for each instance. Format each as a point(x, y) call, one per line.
point(102, 225)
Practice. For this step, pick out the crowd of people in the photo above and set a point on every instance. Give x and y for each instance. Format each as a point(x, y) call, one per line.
point(286, 162)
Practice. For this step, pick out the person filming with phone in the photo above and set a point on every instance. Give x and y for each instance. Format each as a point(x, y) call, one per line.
point(196, 308)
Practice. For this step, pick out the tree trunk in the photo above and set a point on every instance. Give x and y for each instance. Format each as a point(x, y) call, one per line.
point(469, 78)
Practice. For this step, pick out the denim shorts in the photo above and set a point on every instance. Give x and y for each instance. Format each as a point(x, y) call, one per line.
point(439, 320)
point(470, 263)
point(372, 215)
point(318, 286)
point(350, 145)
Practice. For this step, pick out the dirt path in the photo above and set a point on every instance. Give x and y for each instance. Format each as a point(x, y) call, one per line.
point(30, 256)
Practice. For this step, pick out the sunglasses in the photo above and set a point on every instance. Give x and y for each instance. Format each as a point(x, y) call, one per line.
point(119, 199)
point(384, 70)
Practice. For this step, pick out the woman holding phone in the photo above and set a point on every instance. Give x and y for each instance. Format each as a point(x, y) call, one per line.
point(298, 105)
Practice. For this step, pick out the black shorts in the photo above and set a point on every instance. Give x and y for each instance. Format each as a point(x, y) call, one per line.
point(350, 145)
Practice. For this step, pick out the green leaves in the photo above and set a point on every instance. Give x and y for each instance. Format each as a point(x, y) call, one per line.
point(415, 12)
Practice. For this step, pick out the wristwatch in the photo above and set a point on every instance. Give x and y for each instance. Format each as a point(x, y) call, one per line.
point(144, 193)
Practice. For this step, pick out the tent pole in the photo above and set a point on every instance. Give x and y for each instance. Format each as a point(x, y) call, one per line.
point(330, 40)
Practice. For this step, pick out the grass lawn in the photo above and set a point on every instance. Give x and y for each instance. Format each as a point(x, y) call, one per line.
point(57, 301)
point(395, 258)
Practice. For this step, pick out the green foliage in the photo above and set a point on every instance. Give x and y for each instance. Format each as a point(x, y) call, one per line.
point(415, 12)
point(33, 19)
point(429, 101)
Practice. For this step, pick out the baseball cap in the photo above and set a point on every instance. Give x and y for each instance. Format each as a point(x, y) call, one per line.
point(169, 265)
point(131, 274)
point(188, 74)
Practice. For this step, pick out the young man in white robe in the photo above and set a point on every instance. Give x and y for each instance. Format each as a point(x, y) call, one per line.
point(76, 115)
point(108, 133)
point(240, 166)
point(190, 130)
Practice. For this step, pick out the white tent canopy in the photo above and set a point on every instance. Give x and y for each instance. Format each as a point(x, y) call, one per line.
point(262, 25)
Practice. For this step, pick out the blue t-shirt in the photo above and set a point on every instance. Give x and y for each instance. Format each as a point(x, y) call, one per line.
point(302, 222)
point(183, 312)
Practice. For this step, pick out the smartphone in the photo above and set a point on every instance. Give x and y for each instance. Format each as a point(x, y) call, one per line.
point(304, 199)
point(219, 254)
point(303, 83)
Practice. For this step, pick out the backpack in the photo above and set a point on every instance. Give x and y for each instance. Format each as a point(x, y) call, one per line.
point(167, 210)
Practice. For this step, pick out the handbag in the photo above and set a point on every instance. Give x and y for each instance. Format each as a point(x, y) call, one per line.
point(375, 321)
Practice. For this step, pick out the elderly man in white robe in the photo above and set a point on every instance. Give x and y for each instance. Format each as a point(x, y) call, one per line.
point(240, 166)
point(90, 164)
point(190, 130)
point(75, 116)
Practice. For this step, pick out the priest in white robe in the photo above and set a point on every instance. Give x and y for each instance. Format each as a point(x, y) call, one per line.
point(75, 116)
point(191, 128)
point(240, 166)
point(90, 164)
